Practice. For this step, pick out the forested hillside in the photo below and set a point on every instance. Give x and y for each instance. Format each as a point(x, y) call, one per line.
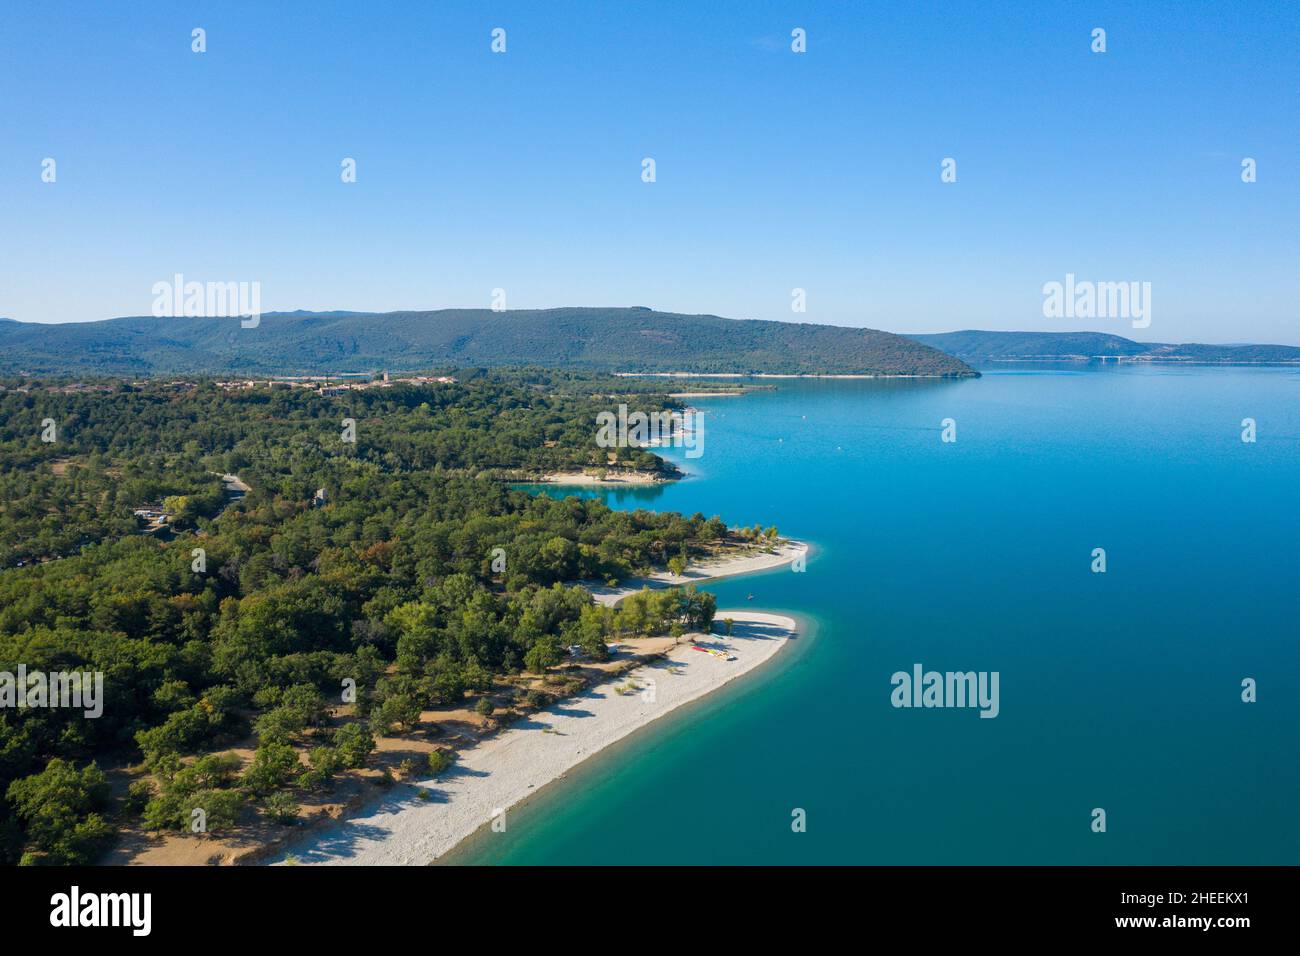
point(627, 340)
point(393, 581)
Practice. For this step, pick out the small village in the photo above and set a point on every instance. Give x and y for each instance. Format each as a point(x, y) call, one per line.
point(321, 384)
point(338, 384)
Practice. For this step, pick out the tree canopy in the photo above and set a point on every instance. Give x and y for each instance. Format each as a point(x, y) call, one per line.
point(389, 584)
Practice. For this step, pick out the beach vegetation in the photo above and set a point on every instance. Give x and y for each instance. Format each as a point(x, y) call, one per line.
point(281, 807)
point(440, 760)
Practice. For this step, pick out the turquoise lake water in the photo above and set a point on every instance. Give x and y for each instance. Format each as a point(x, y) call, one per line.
point(1119, 690)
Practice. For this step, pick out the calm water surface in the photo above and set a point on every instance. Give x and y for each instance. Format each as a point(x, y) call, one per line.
point(1119, 690)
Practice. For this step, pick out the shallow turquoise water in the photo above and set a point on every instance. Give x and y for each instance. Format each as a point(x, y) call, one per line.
point(1119, 690)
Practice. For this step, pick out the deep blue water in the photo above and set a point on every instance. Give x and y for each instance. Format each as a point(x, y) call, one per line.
point(1119, 690)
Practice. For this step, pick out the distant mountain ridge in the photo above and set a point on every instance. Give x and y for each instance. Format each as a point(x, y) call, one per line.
point(613, 339)
point(985, 348)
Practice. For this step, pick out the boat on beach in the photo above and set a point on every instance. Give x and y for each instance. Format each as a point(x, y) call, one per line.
point(721, 655)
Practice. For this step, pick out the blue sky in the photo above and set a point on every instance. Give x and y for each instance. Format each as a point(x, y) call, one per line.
point(775, 170)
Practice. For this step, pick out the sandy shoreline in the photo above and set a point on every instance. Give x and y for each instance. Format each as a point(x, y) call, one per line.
point(706, 394)
point(619, 478)
point(785, 553)
point(400, 828)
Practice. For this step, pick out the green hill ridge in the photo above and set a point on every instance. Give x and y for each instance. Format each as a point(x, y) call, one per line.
point(598, 339)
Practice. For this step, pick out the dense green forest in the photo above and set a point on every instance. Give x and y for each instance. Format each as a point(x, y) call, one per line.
point(115, 451)
point(393, 582)
point(626, 340)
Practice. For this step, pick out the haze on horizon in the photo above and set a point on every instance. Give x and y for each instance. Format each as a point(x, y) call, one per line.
point(774, 170)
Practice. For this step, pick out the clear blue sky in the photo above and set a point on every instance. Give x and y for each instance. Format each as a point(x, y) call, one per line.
point(775, 170)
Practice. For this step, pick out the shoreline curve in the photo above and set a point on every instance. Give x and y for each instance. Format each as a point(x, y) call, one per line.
point(505, 770)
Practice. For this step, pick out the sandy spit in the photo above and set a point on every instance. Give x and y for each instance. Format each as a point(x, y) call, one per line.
point(402, 828)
